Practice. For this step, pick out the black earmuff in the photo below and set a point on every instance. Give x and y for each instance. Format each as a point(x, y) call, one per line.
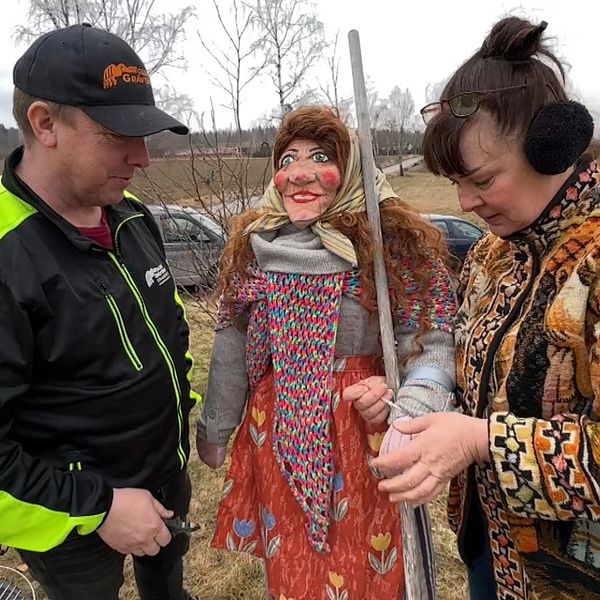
point(558, 135)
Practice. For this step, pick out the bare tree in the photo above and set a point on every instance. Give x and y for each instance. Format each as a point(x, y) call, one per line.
point(331, 88)
point(433, 91)
point(402, 110)
point(374, 106)
point(232, 53)
point(174, 103)
point(291, 38)
point(153, 35)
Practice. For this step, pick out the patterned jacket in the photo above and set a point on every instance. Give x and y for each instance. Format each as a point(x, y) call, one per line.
point(528, 359)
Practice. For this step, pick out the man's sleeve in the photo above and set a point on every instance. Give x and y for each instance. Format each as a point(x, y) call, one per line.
point(184, 332)
point(39, 504)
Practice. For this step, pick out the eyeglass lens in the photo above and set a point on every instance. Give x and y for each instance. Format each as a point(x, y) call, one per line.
point(463, 105)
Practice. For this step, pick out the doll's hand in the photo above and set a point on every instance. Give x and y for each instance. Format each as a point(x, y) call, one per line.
point(211, 454)
point(369, 398)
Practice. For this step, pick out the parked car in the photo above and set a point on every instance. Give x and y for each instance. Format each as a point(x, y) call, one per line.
point(193, 244)
point(459, 233)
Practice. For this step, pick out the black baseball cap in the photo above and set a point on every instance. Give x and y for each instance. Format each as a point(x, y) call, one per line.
point(99, 73)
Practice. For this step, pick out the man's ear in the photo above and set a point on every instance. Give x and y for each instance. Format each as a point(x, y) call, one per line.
point(43, 123)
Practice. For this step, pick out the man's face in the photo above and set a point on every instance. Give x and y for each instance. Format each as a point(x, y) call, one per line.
point(95, 165)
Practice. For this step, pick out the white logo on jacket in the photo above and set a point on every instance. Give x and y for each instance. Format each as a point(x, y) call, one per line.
point(158, 274)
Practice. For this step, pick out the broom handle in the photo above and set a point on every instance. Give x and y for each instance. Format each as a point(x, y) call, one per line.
point(415, 577)
point(368, 168)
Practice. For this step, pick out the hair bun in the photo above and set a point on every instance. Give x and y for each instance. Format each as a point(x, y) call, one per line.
point(513, 39)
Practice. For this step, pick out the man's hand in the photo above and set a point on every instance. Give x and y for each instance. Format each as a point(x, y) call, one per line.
point(134, 524)
point(443, 445)
point(211, 454)
point(368, 397)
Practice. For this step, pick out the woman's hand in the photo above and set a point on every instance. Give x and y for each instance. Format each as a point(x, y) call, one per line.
point(443, 445)
point(369, 398)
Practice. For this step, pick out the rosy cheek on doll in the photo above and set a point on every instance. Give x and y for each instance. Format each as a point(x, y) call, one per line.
point(331, 178)
point(280, 180)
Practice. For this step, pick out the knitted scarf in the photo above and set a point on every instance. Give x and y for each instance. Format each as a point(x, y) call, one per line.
point(294, 325)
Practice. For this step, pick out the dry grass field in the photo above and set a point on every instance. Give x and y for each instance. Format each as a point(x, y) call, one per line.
point(215, 575)
point(175, 180)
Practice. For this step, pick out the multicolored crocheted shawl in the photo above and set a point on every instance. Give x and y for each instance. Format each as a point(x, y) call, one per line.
point(292, 325)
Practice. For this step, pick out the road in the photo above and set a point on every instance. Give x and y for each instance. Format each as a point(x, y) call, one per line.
point(407, 163)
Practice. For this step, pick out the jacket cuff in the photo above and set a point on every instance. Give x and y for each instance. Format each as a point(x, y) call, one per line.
point(417, 398)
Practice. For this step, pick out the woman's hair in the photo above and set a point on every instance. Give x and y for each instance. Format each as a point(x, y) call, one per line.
point(408, 238)
point(316, 123)
point(512, 54)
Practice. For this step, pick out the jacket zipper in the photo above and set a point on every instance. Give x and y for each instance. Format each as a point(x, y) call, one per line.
point(484, 382)
point(116, 258)
point(125, 339)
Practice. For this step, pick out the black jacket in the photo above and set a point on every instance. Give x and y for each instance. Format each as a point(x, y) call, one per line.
point(93, 367)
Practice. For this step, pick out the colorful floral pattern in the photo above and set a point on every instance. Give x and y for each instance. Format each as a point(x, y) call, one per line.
point(260, 514)
point(335, 591)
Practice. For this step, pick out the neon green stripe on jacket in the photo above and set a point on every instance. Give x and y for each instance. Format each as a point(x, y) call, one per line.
point(37, 528)
point(189, 359)
point(13, 211)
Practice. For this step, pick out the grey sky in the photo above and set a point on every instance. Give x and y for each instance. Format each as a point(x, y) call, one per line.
point(404, 42)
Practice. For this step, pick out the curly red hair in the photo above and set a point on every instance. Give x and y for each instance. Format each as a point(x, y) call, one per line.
point(407, 236)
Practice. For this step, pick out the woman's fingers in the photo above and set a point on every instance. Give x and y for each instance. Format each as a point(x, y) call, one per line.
point(427, 491)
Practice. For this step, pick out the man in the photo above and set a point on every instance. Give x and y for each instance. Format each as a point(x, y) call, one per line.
point(94, 393)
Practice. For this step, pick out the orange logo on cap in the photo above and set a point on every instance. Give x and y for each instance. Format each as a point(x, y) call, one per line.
point(113, 73)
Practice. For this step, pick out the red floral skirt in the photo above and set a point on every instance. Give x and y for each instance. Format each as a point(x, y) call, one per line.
point(259, 515)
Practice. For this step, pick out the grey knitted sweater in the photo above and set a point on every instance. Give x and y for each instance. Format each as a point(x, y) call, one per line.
point(290, 250)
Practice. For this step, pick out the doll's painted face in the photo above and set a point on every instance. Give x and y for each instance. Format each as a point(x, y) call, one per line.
point(308, 180)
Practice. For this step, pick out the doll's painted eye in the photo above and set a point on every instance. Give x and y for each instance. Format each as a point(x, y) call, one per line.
point(288, 159)
point(320, 157)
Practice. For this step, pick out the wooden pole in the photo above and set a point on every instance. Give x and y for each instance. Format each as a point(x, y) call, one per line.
point(386, 324)
point(415, 577)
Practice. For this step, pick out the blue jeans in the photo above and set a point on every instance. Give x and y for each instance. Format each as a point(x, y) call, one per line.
point(482, 585)
point(84, 567)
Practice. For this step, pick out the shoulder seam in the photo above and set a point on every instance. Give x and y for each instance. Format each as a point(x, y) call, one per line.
point(27, 212)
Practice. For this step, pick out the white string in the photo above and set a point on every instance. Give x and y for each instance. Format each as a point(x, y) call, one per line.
point(15, 591)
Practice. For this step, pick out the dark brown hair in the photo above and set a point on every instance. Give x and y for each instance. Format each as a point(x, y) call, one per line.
point(512, 54)
point(317, 123)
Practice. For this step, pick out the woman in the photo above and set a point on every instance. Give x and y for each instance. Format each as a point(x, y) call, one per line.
point(297, 324)
point(525, 498)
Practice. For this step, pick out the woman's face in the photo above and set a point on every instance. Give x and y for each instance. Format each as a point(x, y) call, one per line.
point(308, 180)
point(501, 187)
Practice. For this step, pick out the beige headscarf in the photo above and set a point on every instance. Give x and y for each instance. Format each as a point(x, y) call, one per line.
point(350, 198)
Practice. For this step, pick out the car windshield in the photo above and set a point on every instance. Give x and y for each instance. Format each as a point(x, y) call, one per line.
point(205, 221)
point(467, 229)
